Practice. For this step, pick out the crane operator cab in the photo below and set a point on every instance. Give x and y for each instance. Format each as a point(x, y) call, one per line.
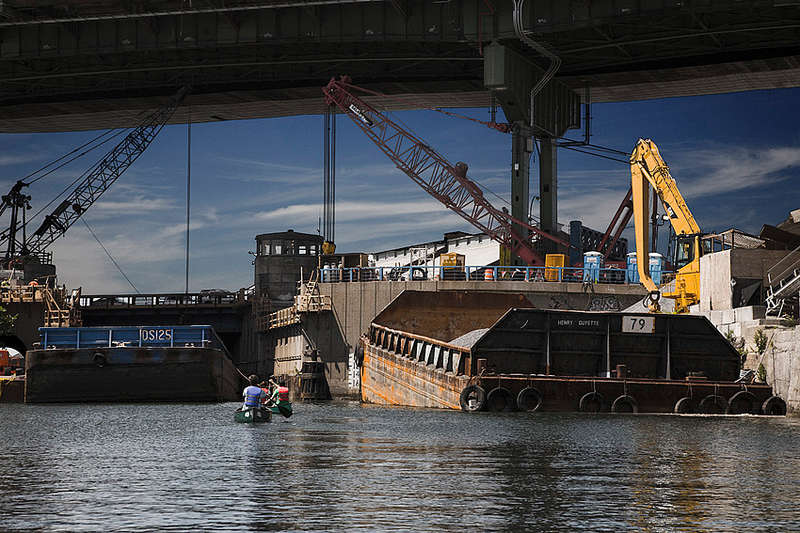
point(684, 250)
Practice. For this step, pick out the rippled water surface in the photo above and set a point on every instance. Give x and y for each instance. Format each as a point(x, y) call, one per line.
point(341, 466)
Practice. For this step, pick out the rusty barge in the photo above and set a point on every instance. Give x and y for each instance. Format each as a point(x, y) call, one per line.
point(488, 351)
point(130, 364)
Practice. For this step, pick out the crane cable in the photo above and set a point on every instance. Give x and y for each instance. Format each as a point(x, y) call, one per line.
point(597, 155)
point(109, 255)
point(76, 180)
point(87, 143)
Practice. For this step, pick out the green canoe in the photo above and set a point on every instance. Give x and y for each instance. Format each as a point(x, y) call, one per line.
point(253, 416)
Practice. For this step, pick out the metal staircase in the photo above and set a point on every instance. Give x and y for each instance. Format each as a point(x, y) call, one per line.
point(784, 284)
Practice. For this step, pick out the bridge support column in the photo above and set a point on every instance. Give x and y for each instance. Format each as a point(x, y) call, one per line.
point(548, 185)
point(511, 76)
point(521, 148)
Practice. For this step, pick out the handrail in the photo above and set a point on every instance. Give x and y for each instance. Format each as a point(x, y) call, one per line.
point(607, 275)
point(163, 299)
point(780, 276)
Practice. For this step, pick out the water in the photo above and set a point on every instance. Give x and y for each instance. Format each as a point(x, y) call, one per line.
point(343, 467)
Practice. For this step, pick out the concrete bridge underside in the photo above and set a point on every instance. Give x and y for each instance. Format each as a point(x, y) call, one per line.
point(90, 64)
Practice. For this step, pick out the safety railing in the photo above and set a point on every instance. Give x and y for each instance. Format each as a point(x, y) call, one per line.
point(783, 281)
point(615, 276)
point(785, 267)
point(210, 298)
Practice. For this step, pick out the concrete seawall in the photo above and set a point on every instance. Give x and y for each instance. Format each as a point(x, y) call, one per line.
point(781, 357)
point(781, 361)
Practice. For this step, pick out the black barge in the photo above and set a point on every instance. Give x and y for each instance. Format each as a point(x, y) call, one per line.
point(501, 354)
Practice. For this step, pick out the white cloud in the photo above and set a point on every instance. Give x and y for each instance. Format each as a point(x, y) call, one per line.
point(714, 171)
point(6, 159)
point(138, 205)
point(352, 211)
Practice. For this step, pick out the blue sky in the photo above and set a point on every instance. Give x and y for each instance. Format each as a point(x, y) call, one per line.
point(736, 158)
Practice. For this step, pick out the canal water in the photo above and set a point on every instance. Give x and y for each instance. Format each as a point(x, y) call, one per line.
point(344, 467)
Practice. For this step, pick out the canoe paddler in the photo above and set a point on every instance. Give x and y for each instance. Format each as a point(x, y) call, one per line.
point(280, 392)
point(253, 394)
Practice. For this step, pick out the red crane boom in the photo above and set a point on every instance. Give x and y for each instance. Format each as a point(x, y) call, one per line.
point(446, 182)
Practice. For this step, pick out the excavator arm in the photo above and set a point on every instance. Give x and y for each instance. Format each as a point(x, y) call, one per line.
point(649, 169)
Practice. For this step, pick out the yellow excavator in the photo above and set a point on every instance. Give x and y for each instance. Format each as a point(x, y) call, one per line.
point(649, 169)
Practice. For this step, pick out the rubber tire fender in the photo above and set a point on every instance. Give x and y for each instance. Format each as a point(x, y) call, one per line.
point(480, 398)
point(743, 396)
point(524, 400)
point(625, 398)
point(684, 406)
point(99, 359)
point(715, 400)
point(588, 398)
point(503, 393)
point(774, 405)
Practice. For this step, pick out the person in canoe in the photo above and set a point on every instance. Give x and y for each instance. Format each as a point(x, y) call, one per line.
point(253, 394)
point(278, 400)
point(266, 386)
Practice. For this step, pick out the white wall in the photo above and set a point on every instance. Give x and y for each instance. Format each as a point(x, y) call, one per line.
point(477, 251)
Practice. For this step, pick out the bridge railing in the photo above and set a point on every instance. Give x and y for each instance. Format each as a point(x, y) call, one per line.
point(615, 276)
point(221, 298)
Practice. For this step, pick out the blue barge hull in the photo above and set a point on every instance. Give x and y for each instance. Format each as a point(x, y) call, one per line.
point(139, 364)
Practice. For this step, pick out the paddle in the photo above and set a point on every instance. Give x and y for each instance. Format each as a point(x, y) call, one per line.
point(285, 411)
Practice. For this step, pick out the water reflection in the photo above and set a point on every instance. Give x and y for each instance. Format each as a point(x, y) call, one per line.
point(347, 467)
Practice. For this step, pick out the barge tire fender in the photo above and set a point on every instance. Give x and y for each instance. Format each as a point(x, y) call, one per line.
point(625, 404)
point(774, 405)
point(743, 402)
point(99, 359)
point(502, 396)
point(713, 404)
point(684, 406)
point(473, 398)
point(529, 399)
point(589, 399)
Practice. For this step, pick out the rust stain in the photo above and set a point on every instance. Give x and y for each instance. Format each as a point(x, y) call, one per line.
point(408, 386)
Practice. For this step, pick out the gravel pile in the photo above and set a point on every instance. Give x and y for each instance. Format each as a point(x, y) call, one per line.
point(468, 339)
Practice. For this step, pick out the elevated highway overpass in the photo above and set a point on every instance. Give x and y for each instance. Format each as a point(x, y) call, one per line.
point(92, 64)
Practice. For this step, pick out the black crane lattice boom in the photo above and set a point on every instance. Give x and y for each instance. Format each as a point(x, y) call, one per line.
point(101, 176)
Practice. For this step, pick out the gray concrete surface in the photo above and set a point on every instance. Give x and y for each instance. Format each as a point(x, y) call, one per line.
point(746, 267)
point(781, 361)
point(781, 358)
